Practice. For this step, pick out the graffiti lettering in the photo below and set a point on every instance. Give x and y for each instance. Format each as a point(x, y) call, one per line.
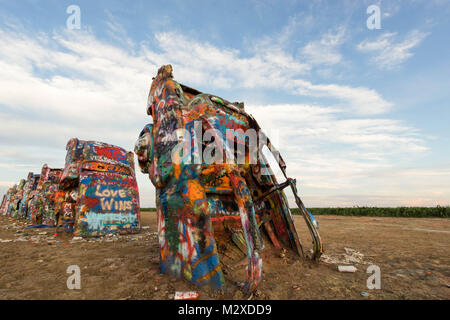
point(97, 221)
point(117, 205)
point(106, 193)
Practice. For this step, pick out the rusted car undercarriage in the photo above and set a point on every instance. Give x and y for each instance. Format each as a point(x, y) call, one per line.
point(212, 212)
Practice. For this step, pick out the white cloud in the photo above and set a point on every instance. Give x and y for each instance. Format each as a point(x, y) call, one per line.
point(342, 161)
point(307, 129)
point(105, 71)
point(387, 52)
point(359, 100)
point(269, 68)
point(324, 51)
point(71, 84)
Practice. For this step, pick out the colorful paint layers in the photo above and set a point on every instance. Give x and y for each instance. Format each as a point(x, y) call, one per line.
point(95, 194)
point(210, 209)
point(102, 195)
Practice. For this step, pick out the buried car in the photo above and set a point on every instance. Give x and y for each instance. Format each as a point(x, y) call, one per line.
point(3, 205)
point(101, 192)
point(29, 187)
point(218, 206)
point(7, 203)
point(15, 201)
point(41, 203)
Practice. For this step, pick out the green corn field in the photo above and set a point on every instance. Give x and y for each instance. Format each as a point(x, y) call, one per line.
point(406, 212)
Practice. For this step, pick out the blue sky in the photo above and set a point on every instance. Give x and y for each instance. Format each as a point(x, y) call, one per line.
point(361, 116)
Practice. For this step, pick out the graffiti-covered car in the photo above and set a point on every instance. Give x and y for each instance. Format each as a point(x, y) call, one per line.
point(3, 205)
point(41, 203)
point(217, 204)
point(15, 201)
point(5, 201)
point(30, 186)
point(9, 198)
point(50, 194)
point(102, 195)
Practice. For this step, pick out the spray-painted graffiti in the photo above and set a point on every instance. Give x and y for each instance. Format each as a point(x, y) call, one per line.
point(7, 206)
point(30, 186)
point(2, 206)
point(96, 193)
point(41, 202)
point(34, 199)
point(97, 221)
point(99, 181)
point(207, 207)
point(16, 199)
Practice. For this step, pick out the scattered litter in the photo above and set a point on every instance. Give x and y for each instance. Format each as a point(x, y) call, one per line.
point(364, 294)
point(42, 233)
point(350, 256)
point(7, 240)
point(347, 269)
point(145, 227)
point(186, 295)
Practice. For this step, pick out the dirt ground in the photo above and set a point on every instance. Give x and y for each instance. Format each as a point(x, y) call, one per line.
point(413, 256)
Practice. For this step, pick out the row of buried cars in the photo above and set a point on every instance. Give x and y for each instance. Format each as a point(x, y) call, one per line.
point(95, 194)
point(213, 216)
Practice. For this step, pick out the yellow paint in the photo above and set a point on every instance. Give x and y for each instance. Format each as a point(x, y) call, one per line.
point(209, 275)
point(195, 191)
point(205, 257)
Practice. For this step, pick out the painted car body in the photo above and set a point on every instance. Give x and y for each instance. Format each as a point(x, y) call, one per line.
point(15, 201)
point(30, 186)
point(3, 205)
point(206, 209)
point(101, 189)
point(9, 198)
point(41, 200)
